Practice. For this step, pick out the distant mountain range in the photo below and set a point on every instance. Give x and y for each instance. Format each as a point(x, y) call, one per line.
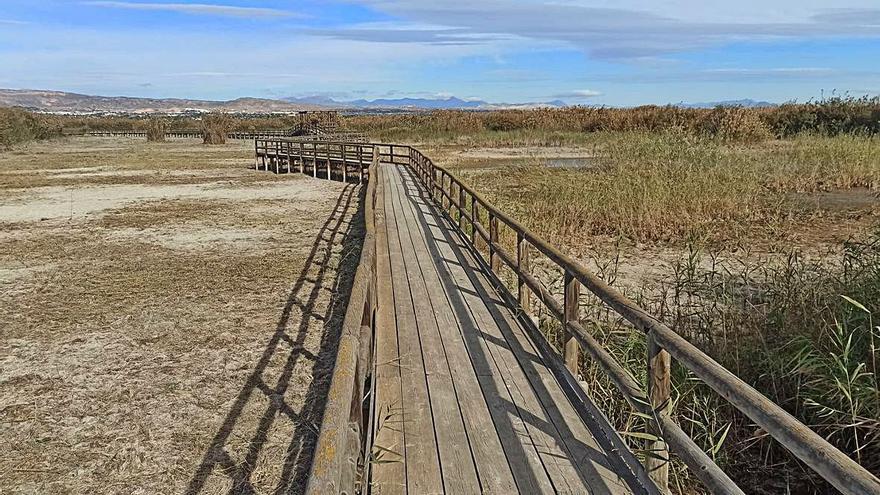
point(62, 102)
point(450, 103)
point(746, 103)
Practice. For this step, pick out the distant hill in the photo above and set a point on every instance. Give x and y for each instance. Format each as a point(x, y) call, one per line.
point(61, 102)
point(746, 103)
point(451, 103)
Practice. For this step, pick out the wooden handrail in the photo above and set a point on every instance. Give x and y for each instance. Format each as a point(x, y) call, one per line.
point(833, 465)
point(338, 454)
point(344, 440)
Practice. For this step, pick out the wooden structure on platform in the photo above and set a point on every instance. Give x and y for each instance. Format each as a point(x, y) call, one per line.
point(442, 382)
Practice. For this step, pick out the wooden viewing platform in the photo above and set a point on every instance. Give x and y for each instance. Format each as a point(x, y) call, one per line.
point(442, 382)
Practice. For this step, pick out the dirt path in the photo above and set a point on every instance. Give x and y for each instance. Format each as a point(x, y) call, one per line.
point(165, 328)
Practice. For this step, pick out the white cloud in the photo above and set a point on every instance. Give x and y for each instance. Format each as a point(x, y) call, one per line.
point(776, 71)
point(579, 93)
point(198, 9)
point(623, 29)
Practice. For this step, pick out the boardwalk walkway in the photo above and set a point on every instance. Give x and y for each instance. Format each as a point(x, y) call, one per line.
point(442, 382)
point(465, 401)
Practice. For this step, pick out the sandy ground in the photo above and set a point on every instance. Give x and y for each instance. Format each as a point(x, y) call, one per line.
point(168, 316)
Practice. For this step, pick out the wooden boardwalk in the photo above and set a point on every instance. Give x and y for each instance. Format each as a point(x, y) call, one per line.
point(464, 400)
point(442, 382)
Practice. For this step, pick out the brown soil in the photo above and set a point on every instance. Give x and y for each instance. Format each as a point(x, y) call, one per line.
point(174, 332)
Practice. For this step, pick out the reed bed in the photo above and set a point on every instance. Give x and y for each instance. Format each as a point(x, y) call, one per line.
point(832, 116)
point(672, 187)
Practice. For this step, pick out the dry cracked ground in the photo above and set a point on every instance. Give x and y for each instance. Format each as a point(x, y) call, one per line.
point(168, 317)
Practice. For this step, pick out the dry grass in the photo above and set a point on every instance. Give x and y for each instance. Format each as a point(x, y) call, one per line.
point(137, 338)
point(831, 116)
point(156, 131)
point(670, 188)
point(215, 126)
point(744, 249)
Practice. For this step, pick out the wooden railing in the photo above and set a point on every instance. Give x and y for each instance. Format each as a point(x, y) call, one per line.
point(341, 459)
point(317, 158)
point(195, 133)
point(452, 195)
point(340, 462)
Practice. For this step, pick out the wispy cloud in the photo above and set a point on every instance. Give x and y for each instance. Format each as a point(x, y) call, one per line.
point(13, 22)
point(636, 29)
point(779, 71)
point(198, 9)
point(579, 94)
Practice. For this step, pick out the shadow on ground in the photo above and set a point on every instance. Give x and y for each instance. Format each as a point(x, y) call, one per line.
point(318, 274)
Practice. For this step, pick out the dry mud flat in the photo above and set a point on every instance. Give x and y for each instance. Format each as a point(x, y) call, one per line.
point(169, 317)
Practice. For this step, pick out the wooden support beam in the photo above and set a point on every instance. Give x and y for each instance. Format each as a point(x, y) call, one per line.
point(344, 166)
point(659, 392)
point(461, 208)
point(524, 294)
point(494, 261)
point(570, 314)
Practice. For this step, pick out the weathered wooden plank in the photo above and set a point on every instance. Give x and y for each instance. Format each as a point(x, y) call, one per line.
point(522, 455)
point(389, 462)
point(420, 444)
point(560, 434)
point(458, 469)
point(584, 452)
point(492, 467)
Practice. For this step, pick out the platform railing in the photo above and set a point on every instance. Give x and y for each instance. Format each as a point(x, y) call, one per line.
point(341, 459)
point(342, 464)
point(470, 209)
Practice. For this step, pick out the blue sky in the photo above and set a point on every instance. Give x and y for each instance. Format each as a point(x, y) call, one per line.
point(610, 52)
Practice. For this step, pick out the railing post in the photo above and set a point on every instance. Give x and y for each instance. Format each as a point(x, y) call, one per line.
point(256, 156)
point(302, 162)
point(289, 161)
point(440, 196)
point(360, 164)
point(523, 293)
point(460, 208)
point(315, 160)
point(344, 166)
point(570, 314)
point(494, 260)
point(659, 392)
point(329, 160)
point(474, 221)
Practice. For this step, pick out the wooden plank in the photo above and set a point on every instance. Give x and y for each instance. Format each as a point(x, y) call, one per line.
point(458, 469)
point(420, 444)
point(522, 455)
point(389, 470)
point(492, 467)
point(586, 455)
point(549, 409)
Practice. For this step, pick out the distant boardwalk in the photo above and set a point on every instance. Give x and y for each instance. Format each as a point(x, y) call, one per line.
point(442, 382)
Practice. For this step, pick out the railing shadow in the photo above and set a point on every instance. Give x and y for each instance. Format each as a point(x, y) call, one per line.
point(586, 456)
point(342, 226)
